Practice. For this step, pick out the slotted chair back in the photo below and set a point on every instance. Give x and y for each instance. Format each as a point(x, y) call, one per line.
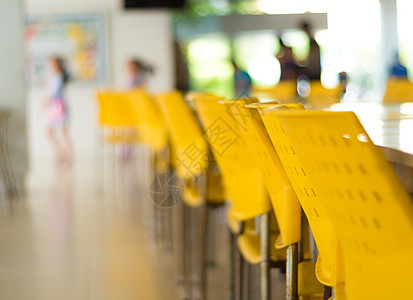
point(116, 112)
point(190, 155)
point(320, 222)
point(242, 181)
point(369, 208)
point(115, 109)
point(190, 149)
point(283, 199)
point(153, 129)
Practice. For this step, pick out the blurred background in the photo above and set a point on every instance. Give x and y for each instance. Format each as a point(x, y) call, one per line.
point(186, 45)
point(191, 45)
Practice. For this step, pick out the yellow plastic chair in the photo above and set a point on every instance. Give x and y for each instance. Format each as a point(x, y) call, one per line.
point(329, 265)
point(150, 119)
point(284, 91)
point(321, 96)
point(370, 209)
point(215, 190)
point(191, 157)
point(398, 90)
point(242, 180)
point(283, 198)
point(119, 122)
point(153, 134)
point(117, 113)
point(191, 162)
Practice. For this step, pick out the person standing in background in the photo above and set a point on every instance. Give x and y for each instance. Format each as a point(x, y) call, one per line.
point(57, 112)
point(242, 81)
point(312, 65)
point(397, 69)
point(138, 72)
point(287, 62)
point(181, 68)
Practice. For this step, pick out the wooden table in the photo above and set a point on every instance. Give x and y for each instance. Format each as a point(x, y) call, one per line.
point(390, 126)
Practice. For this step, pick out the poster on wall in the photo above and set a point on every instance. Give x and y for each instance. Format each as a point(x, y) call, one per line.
point(79, 39)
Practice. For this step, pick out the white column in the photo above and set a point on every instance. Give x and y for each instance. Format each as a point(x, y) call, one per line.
point(389, 36)
point(12, 81)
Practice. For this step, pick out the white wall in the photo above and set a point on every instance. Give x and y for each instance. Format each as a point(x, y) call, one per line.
point(12, 90)
point(144, 34)
point(389, 38)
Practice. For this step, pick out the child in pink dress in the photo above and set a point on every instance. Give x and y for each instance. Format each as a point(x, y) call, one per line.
point(57, 112)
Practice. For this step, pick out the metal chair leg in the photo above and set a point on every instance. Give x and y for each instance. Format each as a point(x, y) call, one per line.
point(327, 292)
point(233, 263)
point(12, 187)
point(177, 240)
point(212, 223)
point(205, 212)
point(5, 176)
point(239, 272)
point(185, 252)
point(265, 257)
point(246, 280)
point(292, 272)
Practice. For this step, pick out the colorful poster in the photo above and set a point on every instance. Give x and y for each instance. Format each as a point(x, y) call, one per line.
point(79, 39)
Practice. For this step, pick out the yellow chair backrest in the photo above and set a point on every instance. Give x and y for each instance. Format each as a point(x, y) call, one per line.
point(308, 195)
point(191, 96)
point(283, 199)
point(321, 96)
point(152, 125)
point(116, 109)
point(398, 90)
point(242, 180)
point(189, 147)
point(369, 208)
point(284, 91)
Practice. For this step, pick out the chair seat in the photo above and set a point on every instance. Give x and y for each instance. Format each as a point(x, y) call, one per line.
point(322, 272)
point(248, 196)
point(122, 139)
point(234, 225)
point(308, 285)
point(192, 196)
point(249, 246)
point(215, 193)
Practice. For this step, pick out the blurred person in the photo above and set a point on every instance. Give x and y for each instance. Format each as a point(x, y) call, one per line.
point(57, 111)
point(312, 65)
point(287, 62)
point(242, 81)
point(343, 82)
point(397, 69)
point(138, 72)
point(181, 68)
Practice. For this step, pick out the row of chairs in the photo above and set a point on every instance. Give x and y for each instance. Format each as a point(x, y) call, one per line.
point(168, 127)
point(397, 90)
point(288, 175)
point(312, 93)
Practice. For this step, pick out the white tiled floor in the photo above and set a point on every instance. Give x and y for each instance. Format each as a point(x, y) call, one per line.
point(70, 239)
point(83, 233)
